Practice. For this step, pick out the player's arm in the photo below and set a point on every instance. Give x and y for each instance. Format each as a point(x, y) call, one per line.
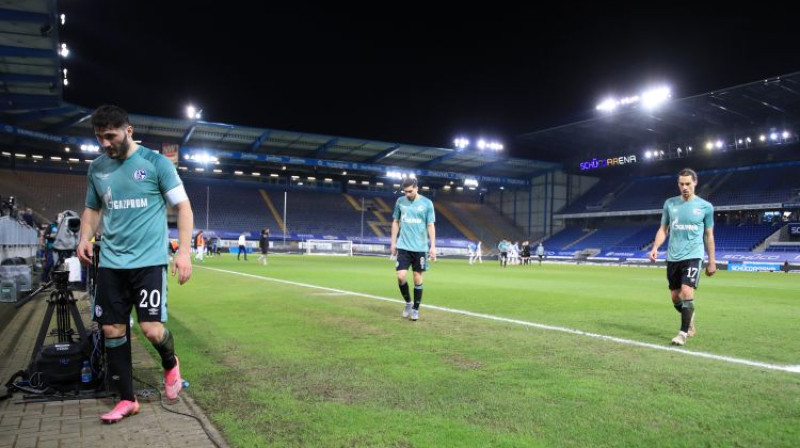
point(90, 220)
point(711, 267)
point(395, 231)
point(183, 262)
point(661, 236)
point(432, 238)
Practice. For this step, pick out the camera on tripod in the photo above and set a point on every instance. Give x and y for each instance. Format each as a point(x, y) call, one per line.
point(61, 279)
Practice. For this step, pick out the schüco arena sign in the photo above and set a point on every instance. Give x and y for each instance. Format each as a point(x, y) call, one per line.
point(604, 163)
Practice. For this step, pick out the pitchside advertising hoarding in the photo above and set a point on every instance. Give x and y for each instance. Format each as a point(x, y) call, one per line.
point(754, 266)
point(737, 261)
point(794, 229)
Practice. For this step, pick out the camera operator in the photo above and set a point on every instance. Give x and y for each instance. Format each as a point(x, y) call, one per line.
point(130, 186)
point(49, 252)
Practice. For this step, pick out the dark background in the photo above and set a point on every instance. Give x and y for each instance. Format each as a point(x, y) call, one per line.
point(411, 73)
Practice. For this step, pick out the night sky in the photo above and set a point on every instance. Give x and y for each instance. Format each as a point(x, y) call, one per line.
point(403, 72)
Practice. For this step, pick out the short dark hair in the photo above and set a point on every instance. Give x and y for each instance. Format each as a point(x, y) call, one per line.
point(110, 116)
point(408, 182)
point(688, 172)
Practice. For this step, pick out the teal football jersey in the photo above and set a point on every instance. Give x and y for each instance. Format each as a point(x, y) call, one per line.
point(414, 217)
point(686, 221)
point(130, 195)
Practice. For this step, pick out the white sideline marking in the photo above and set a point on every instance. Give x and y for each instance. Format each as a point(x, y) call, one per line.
point(746, 362)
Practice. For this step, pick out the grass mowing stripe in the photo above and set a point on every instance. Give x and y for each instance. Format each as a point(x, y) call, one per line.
point(728, 359)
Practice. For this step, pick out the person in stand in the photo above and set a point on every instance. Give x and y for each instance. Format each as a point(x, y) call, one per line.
point(129, 187)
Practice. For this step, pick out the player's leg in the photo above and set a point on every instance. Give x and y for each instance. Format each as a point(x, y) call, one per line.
point(151, 308)
point(690, 280)
point(674, 283)
point(111, 311)
point(419, 265)
point(402, 263)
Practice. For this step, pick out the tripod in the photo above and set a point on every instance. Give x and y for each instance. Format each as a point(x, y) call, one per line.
point(63, 303)
point(57, 366)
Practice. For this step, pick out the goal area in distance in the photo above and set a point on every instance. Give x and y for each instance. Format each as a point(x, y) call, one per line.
point(329, 247)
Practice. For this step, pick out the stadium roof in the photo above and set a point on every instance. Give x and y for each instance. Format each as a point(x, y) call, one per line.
point(759, 106)
point(30, 70)
point(33, 114)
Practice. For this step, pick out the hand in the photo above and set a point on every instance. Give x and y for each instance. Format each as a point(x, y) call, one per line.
point(432, 254)
point(86, 252)
point(183, 266)
point(654, 255)
point(711, 268)
point(393, 250)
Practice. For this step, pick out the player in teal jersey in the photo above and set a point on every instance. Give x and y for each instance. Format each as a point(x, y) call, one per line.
point(503, 246)
point(413, 220)
point(689, 222)
point(129, 186)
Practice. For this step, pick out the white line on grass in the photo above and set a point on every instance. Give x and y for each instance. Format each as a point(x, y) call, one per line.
point(746, 362)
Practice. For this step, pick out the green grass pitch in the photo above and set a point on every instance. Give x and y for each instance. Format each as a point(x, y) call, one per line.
point(279, 364)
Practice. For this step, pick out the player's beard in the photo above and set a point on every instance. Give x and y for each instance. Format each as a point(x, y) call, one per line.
point(120, 151)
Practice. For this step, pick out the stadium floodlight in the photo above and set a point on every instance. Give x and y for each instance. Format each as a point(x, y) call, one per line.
point(328, 179)
point(502, 187)
point(762, 138)
point(74, 160)
point(648, 154)
point(447, 187)
point(90, 148)
point(202, 158)
point(364, 182)
point(481, 144)
point(273, 175)
point(311, 178)
point(460, 188)
point(773, 136)
point(64, 51)
point(56, 158)
point(295, 177)
point(653, 98)
point(217, 170)
point(344, 173)
point(256, 173)
point(785, 135)
point(199, 169)
point(607, 105)
point(425, 188)
point(351, 181)
point(719, 144)
point(238, 173)
point(63, 19)
point(470, 182)
point(193, 113)
point(709, 145)
point(66, 149)
point(461, 142)
point(379, 184)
